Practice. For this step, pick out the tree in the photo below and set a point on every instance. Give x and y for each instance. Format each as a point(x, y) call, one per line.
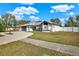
point(1, 26)
point(56, 21)
point(22, 22)
point(9, 21)
point(70, 23)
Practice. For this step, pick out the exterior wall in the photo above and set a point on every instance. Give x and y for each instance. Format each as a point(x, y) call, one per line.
point(49, 27)
point(46, 27)
point(20, 29)
point(29, 29)
point(56, 28)
point(39, 28)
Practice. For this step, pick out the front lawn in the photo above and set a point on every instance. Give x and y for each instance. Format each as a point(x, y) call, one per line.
point(70, 38)
point(19, 48)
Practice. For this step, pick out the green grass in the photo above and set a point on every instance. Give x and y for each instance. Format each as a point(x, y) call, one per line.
point(69, 38)
point(19, 48)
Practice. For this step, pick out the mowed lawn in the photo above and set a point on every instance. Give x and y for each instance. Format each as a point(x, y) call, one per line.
point(19, 48)
point(69, 38)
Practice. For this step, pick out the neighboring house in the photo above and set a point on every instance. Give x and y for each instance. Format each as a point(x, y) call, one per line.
point(40, 26)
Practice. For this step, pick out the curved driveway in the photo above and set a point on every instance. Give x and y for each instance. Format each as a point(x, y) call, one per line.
point(7, 38)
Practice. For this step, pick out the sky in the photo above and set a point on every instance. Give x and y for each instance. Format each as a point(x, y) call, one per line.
point(40, 11)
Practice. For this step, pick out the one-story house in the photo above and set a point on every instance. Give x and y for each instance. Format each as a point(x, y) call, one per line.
point(40, 26)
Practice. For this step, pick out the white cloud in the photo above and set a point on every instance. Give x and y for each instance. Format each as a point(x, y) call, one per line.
point(23, 10)
point(18, 17)
point(34, 18)
point(52, 11)
point(63, 8)
point(71, 13)
point(72, 6)
point(20, 11)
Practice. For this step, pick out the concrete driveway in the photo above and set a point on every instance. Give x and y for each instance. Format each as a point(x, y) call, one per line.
point(7, 38)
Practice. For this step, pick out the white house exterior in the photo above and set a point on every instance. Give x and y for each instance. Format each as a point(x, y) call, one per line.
point(41, 26)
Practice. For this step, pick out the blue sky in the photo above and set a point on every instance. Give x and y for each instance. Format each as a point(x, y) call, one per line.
point(40, 11)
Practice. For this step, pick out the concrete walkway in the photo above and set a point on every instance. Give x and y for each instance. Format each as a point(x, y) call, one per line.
point(7, 38)
point(72, 50)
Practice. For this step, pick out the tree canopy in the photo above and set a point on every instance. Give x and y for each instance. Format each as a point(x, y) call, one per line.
point(77, 20)
point(22, 22)
point(70, 22)
point(56, 21)
point(9, 21)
